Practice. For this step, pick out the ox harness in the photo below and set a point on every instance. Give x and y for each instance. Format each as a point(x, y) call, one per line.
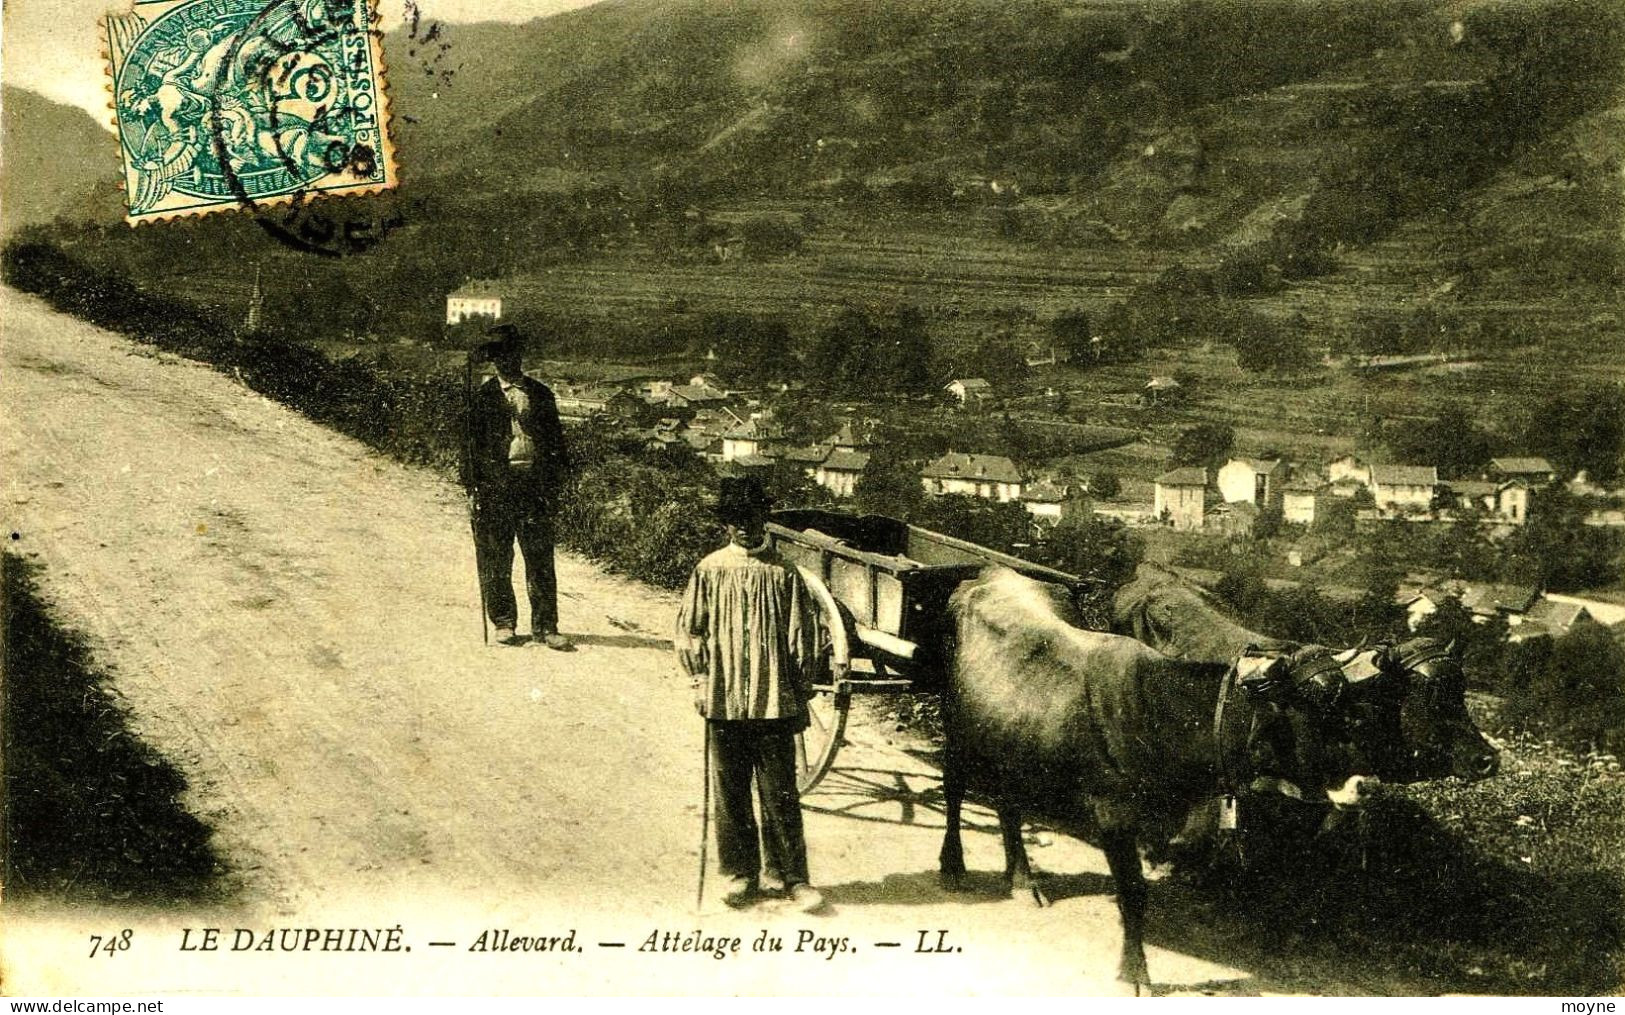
point(1311, 673)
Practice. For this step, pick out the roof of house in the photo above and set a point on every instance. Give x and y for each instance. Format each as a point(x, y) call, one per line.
point(1308, 482)
point(1472, 487)
point(956, 465)
point(1046, 493)
point(1188, 476)
point(697, 393)
point(847, 461)
point(1518, 466)
point(752, 461)
point(1262, 466)
point(479, 288)
point(1559, 616)
point(811, 455)
point(971, 383)
point(1405, 475)
point(1479, 597)
point(754, 430)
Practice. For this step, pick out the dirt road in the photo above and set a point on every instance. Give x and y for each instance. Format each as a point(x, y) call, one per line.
point(291, 621)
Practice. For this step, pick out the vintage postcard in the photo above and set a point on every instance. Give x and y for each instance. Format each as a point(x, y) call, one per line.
point(684, 497)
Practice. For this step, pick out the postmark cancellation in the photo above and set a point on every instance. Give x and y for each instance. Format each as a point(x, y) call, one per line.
point(243, 103)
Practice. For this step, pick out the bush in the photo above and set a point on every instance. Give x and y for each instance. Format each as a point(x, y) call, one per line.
point(1571, 687)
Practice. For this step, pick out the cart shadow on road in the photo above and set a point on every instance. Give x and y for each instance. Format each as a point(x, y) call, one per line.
point(636, 641)
point(892, 796)
point(92, 812)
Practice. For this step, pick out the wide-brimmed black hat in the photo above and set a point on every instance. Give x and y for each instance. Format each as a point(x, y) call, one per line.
point(742, 500)
point(504, 340)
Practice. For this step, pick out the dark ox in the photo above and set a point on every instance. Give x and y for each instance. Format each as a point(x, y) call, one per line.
point(1094, 730)
point(1405, 702)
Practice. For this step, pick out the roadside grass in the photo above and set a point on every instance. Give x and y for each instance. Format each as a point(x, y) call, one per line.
point(92, 813)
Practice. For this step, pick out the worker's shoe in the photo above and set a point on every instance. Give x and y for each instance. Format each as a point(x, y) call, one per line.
point(505, 636)
point(806, 898)
point(557, 642)
point(738, 892)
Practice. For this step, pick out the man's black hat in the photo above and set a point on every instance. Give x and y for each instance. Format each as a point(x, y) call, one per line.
point(742, 500)
point(505, 341)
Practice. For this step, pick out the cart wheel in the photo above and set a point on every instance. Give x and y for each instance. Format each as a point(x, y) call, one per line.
point(816, 746)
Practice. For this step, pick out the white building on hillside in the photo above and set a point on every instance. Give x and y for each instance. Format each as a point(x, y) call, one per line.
point(1180, 497)
point(1252, 480)
point(991, 477)
point(1404, 487)
point(476, 299)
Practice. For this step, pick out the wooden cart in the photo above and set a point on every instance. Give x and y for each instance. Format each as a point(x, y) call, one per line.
point(883, 586)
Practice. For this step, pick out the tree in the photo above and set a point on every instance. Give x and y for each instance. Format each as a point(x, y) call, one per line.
point(1274, 348)
point(1105, 485)
point(1556, 550)
point(1085, 544)
point(1581, 430)
point(1576, 689)
point(1450, 440)
point(890, 485)
point(1072, 332)
point(1479, 644)
point(1203, 444)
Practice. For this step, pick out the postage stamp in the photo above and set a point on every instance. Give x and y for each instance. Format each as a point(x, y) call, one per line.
point(243, 103)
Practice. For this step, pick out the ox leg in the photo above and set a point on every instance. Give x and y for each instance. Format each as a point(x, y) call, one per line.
point(1124, 859)
point(1017, 870)
point(951, 861)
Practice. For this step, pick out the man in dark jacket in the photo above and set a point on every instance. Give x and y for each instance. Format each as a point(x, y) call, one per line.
point(514, 470)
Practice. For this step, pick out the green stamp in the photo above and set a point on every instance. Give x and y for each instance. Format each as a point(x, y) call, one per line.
point(244, 103)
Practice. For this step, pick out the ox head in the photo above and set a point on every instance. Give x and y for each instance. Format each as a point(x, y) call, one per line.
point(1417, 707)
point(1301, 743)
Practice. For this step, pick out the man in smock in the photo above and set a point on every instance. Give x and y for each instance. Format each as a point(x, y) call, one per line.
point(749, 637)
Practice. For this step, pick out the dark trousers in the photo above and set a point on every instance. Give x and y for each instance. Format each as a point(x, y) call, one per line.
point(767, 750)
point(499, 521)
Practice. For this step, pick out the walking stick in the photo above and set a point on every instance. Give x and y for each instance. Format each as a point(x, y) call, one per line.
point(468, 457)
point(705, 814)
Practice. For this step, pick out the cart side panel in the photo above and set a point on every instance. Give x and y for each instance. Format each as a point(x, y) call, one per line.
point(809, 557)
point(889, 596)
point(849, 582)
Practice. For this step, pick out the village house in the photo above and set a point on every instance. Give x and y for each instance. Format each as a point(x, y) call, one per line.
point(991, 477)
point(1482, 600)
point(1535, 472)
point(1180, 497)
point(1549, 618)
point(694, 396)
point(839, 471)
point(1342, 470)
point(1253, 480)
point(1301, 497)
point(1050, 503)
point(752, 437)
point(476, 299)
point(970, 392)
point(1404, 488)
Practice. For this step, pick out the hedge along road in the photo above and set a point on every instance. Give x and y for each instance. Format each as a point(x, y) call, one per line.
point(291, 621)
